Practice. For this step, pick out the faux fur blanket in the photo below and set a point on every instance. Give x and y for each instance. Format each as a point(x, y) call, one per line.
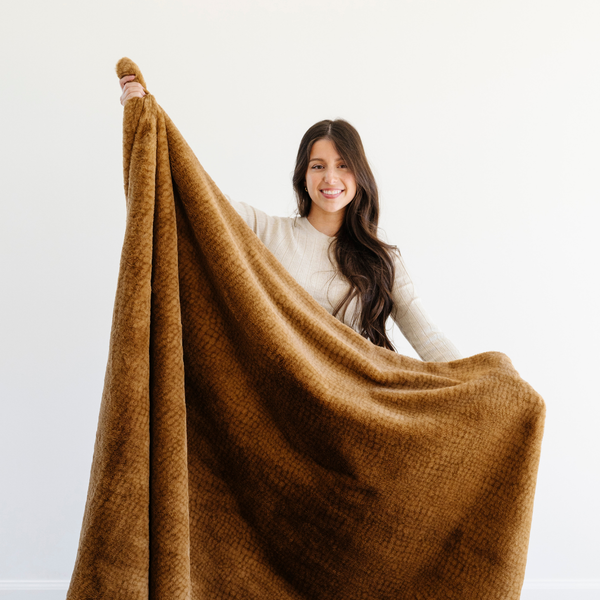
point(252, 446)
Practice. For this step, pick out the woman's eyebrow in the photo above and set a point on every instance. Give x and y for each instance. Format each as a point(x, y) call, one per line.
point(323, 160)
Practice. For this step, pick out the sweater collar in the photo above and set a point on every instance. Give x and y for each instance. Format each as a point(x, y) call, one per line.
point(312, 230)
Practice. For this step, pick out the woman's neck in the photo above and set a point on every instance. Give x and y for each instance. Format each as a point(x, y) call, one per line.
point(325, 222)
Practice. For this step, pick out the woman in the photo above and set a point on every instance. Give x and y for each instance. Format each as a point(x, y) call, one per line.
point(332, 248)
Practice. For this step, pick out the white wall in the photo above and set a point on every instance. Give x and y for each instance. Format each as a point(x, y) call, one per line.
point(481, 120)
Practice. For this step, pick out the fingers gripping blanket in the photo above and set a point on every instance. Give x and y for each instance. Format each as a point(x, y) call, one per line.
point(252, 446)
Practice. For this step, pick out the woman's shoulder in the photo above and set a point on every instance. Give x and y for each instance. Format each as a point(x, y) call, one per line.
point(263, 224)
point(395, 251)
point(401, 277)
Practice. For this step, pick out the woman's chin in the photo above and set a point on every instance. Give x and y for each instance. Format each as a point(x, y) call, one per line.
point(331, 206)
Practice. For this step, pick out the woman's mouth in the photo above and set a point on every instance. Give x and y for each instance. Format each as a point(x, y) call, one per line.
point(330, 193)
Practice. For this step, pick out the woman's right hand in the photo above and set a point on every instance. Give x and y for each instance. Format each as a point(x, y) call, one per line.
point(131, 89)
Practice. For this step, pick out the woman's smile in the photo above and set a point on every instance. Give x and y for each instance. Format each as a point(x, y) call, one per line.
point(331, 193)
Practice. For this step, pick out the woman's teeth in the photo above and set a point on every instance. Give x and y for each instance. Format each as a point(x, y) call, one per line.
point(331, 193)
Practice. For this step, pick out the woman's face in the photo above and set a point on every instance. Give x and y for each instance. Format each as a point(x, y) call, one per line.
point(331, 185)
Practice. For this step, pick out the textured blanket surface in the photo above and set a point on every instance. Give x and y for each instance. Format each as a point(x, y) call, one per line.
point(252, 446)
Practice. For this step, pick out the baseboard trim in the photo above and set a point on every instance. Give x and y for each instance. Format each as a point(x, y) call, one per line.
point(561, 584)
point(29, 585)
point(529, 584)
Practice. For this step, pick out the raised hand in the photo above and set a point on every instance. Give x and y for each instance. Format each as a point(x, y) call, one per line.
point(131, 89)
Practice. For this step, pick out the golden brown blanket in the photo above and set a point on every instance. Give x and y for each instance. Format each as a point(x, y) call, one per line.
point(251, 446)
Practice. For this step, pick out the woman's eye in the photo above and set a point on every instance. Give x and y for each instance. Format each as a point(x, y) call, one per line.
point(321, 166)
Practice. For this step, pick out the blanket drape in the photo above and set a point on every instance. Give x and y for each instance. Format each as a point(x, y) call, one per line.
point(252, 446)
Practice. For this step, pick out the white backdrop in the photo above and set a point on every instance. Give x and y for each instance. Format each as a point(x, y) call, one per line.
point(482, 124)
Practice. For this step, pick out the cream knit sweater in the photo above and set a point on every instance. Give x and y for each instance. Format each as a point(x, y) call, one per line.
point(302, 250)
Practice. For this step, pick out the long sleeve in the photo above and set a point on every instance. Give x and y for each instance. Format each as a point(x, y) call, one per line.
point(303, 252)
point(409, 314)
point(247, 212)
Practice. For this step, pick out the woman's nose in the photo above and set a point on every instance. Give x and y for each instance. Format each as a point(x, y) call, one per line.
point(330, 176)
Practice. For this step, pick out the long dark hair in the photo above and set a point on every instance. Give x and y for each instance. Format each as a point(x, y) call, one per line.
point(364, 260)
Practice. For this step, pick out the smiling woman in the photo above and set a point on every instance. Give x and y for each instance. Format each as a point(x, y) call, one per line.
point(333, 249)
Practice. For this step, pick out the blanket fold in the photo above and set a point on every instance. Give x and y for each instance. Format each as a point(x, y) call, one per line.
point(252, 446)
